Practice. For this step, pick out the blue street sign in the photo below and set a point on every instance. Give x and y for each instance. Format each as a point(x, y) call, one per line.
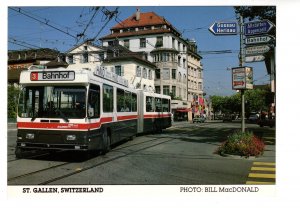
point(259, 27)
point(224, 28)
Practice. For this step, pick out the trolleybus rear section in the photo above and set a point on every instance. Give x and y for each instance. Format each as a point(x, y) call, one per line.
point(83, 110)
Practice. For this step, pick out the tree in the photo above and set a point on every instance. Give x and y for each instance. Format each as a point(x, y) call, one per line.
point(12, 101)
point(257, 12)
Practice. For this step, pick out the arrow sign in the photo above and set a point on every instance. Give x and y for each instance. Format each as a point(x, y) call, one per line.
point(224, 28)
point(258, 40)
point(253, 50)
point(260, 27)
point(254, 58)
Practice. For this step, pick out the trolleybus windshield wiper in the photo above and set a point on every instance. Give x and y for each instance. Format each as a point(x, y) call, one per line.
point(62, 115)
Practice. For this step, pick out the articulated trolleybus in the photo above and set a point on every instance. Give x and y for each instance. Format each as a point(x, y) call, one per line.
point(83, 110)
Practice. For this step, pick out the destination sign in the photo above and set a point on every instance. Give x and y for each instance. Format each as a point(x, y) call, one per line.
point(257, 58)
point(224, 28)
point(258, 40)
point(52, 76)
point(259, 27)
point(253, 50)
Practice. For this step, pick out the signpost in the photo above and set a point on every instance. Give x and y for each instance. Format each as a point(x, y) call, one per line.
point(242, 78)
point(258, 40)
point(258, 27)
point(224, 28)
point(253, 50)
point(257, 58)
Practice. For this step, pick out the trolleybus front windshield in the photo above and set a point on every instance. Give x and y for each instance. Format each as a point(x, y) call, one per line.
point(66, 102)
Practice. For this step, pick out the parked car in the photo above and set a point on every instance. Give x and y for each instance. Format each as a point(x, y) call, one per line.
point(199, 119)
point(266, 122)
point(253, 118)
point(227, 118)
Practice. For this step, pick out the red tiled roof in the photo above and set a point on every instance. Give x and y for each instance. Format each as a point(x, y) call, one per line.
point(145, 19)
point(135, 33)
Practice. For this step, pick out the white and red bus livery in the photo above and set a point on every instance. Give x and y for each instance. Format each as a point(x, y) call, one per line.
point(83, 110)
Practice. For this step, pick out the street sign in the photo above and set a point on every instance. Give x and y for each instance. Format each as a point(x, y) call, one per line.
point(254, 58)
point(224, 28)
point(242, 78)
point(258, 27)
point(258, 40)
point(253, 50)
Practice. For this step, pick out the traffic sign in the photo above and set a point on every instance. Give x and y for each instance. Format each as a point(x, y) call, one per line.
point(257, 58)
point(224, 28)
point(258, 40)
point(242, 78)
point(253, 50)
point(258, 27)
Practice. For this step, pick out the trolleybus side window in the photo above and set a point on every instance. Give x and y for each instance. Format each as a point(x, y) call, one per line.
point(127, 101)
point(108, 98)
point(165, 105)
point(134, 102)
point(123, 100)
point(94, 101)
point(149, 104)
point(120, 100)
point(157, 104)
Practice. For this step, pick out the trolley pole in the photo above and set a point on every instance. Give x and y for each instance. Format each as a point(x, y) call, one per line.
point(241, 64)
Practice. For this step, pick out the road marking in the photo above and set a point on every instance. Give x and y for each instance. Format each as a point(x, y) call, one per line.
point(263, 169)
point(262, 173)
point(258, 182)
point(264, 163)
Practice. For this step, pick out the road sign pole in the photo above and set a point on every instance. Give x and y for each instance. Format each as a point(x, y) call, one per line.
point(241, 64)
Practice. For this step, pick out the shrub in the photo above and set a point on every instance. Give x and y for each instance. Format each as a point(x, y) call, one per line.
point(243, 144)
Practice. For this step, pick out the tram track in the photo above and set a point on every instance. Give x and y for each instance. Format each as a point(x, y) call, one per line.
point(121, 149)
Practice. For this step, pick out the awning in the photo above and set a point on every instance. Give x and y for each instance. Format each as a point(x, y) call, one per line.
point(184, 110)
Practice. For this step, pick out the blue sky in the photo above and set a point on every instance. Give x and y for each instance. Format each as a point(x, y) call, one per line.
point(192, 21)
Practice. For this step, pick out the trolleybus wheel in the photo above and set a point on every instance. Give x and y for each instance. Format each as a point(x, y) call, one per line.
point(19, 153)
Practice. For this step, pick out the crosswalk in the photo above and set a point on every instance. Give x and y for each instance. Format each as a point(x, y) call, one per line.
point(262, 173)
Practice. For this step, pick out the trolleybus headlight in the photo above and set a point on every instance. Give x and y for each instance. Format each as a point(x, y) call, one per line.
point(71, 137)
point(29, 136)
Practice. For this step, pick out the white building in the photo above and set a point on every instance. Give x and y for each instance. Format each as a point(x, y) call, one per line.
point(132, 66)
point(162, 44)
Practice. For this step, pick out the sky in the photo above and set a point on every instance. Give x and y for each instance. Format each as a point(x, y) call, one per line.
point(192, 21)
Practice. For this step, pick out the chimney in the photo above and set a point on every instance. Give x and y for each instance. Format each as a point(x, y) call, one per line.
point(137, 14)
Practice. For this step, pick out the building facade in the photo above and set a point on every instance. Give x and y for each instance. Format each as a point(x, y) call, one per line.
point(132, 66)
point(195, 81)
point(160, 43)
point(23, 59)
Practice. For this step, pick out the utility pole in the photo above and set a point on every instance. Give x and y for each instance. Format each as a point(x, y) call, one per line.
point(241, 65)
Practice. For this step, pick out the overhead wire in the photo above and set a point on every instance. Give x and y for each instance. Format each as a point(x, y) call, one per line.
point(43, 22)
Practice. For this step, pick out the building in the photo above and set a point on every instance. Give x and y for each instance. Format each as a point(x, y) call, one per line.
point(132, 66)
point(162, 44)
point(195, 81)
point(23, 59)
point(85, 56)
point(179, 70)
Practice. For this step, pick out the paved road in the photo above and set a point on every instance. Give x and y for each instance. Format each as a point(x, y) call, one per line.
point(183, 154)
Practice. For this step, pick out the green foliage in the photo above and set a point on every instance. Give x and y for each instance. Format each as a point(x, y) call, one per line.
point(243, 144)
point(12, 101)
point(257, 12)
point(257, 100)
